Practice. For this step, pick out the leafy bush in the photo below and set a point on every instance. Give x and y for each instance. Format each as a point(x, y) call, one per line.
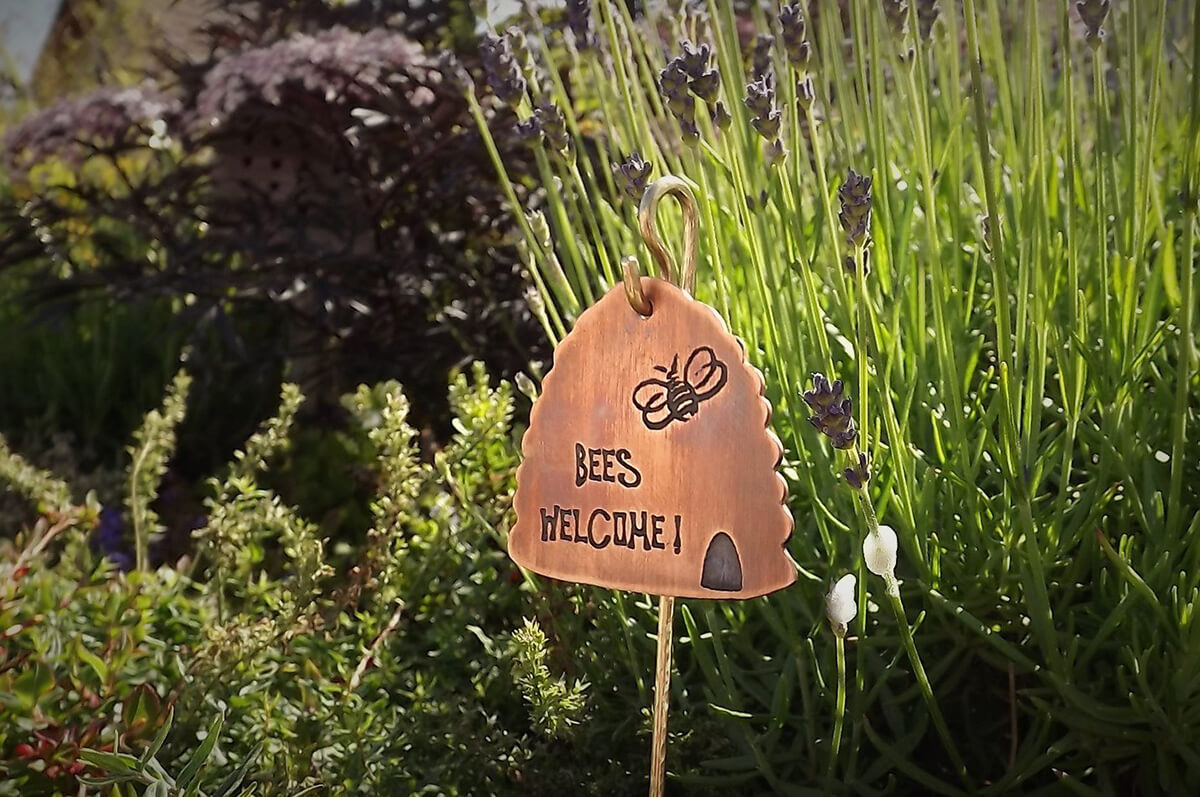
point(307, 189)
point(1007, 292)
point(401, 674)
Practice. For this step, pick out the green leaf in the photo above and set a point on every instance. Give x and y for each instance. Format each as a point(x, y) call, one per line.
point(235, 778)
point(1170, 276)
point(200, 756)
point(158, 788)
point(93, 661)
point(729, 712)
point(32, 684)
point(113, 763)
point(106, 780)
point(159, 737)
point(313, 789)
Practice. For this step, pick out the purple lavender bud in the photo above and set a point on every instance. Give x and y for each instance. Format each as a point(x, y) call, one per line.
point(896, 12)
point(805, 93)
point(579, 20)
point(673, 82)
point(501, 68)
point(762, 59)
point(694, 60)
point(775, 153)
point(760, 96)
point(855, 216)
point(858, 476)
point(824, 394)
point(1093, 14)
point(690, 130)
point(529, 130)
point(760, 99)
point(768, 126)
point(721, 117)
point(795, 36)
point(553, 125)
point(928, 12)
point(632, 175)
point(833, 412)
point(519, 46)
point(706, 86)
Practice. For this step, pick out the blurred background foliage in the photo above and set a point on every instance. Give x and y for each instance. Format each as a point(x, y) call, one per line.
point(236, 198)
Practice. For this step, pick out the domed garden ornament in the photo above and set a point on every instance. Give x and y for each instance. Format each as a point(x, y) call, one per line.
point(649, 464)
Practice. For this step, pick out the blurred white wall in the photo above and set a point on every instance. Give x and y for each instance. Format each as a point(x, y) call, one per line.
point(24, 25)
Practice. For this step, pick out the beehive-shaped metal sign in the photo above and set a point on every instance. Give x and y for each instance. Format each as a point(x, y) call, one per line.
point(649, 464)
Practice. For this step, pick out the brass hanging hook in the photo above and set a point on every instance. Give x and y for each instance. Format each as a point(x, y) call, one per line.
point(671, 186)
point(647, 211)
point(633, 286)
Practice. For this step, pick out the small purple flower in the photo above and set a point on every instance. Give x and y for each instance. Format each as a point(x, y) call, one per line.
point(721, 117)
point(774, 153)
point(795, 36)
point(833, 412)
point(108, 538)
point(858, 476)
point(553, 125)
point(632, 175)
point(763, 60)
point(1093, 14)
point(693, 59)
point(673, 82)
point(579, 20)
point(896, 13)
point(502, 70)
point(855, 216)
point(529, 130)
point(703, 80)
point(760, 99)
point(805, 93)
point(706, 86)
point(928, 12)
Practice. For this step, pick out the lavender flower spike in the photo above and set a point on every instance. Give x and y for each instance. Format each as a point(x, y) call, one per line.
point(795, 37)
point(833, 411)
point(579, 20)
point(760, 99)
point(503, 73)
point(855, 215)
point(1093, 14)
point(632, 175)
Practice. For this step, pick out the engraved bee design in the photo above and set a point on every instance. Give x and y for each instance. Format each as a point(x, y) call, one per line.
point(677, 396)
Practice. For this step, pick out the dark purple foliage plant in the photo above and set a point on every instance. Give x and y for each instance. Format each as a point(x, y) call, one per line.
point(311, 172)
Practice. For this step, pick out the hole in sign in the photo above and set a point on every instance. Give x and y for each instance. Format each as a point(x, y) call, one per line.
point(722, 567)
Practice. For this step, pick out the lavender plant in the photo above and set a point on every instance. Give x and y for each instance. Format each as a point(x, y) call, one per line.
point(1005, 283)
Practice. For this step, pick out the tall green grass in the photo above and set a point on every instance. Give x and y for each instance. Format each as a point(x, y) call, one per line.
point(1021, 359)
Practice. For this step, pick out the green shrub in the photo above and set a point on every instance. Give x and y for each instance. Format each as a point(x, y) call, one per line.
point(1009, 297)
point(399, 675)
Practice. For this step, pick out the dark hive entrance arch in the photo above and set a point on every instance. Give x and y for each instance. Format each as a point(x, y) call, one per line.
point(722, 567)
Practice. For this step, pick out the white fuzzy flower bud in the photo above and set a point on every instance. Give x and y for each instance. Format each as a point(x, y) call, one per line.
point(841, 604)
point(879, 550)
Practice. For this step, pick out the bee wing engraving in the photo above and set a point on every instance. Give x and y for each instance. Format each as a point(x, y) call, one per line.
point(650, 397)
point(705, 373)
